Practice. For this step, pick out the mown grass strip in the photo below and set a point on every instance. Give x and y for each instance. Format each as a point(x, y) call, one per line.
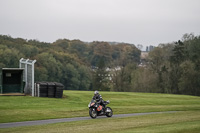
point(50, 121)
point(74, 104)
point(170, 122)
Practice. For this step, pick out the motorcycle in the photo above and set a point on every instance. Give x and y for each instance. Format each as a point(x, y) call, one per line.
point(95, 109)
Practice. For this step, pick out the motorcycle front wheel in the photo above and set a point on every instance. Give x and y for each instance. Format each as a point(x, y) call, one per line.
point(109, 113)
point(93, 113)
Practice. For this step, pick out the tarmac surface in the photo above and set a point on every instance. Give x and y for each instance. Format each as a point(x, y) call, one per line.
point(50, 121)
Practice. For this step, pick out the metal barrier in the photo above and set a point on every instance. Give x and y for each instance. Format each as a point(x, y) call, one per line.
point(28, 75)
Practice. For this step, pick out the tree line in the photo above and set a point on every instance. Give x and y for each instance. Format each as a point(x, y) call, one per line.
point(67, 61)
point(169, 68)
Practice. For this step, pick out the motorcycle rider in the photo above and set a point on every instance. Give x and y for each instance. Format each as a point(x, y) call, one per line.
point(98, 99)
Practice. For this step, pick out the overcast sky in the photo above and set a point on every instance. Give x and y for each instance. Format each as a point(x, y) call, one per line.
point(146, 22)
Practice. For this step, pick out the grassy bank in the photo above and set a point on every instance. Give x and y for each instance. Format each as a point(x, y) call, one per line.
point(74, 104)
point(180, 122)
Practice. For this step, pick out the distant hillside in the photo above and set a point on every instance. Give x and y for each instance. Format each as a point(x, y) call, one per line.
point(169, 68)
point(66, 61)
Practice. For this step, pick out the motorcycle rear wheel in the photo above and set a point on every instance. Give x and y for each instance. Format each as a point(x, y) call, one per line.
point(93, 113)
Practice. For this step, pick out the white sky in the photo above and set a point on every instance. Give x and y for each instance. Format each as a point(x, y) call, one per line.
point(146, 22)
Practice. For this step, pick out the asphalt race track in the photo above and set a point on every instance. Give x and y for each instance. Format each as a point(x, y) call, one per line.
point(40, 122)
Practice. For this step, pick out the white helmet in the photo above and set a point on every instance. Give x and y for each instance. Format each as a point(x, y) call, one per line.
point(96, 93)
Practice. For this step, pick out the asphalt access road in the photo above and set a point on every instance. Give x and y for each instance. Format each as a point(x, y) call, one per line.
point(41, 122)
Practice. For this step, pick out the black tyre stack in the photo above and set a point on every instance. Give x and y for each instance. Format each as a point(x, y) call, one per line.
point(43, 89)
point(50, 89)
point(59, 90)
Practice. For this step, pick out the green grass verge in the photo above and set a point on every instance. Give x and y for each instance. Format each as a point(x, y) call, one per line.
point(74, 104)
point(179, 122)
